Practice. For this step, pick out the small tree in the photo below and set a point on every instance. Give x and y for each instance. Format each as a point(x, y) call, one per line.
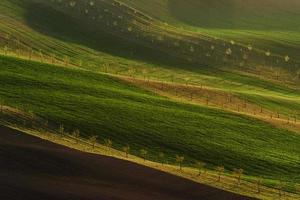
point(297, 187)
point(172, 78)
point(93, 140)
point(1, 105)
point(126, 149)
point(207, 99)
point(108, 143)
point(161, 156)
point(179, 160)
point(80, 63)
point(200, 167)
point(238, 174)
point(76, 135)
point(41, 55)
point(66, 60)
point(61, 130)
point(52, 57)
point(220, 170)
point(30, 50)
point(298, 74)
point(286, 58)
point(46, 123)
point(5, 50)
point(280, 187)
point(143, 153)
point(258, 182)
point(18, 52)
point(191, 96)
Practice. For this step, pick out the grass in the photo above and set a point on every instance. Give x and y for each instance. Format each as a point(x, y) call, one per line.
point(211, 97)
point(228, 182)
point(268, 24)
point(100, 105)
point(58, 31)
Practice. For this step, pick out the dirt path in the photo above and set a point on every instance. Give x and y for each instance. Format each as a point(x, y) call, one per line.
point(31, 168)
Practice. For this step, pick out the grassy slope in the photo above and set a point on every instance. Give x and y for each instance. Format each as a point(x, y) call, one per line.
point(130, 115)
point(271, 24)
point(98, 104)
point(54, 32)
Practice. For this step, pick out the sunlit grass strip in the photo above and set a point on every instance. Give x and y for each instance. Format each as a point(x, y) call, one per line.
point(16, 117)
point(207, 96)
point(281, 119)
point(231, 182)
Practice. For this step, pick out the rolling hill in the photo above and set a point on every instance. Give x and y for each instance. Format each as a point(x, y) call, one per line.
point(106, 178)
point(64, 32)
point(215, 81)
point(268, 24)
point(99, 105)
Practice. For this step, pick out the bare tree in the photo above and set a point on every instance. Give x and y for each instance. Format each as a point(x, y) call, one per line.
point(108, 143)
point(191, 96)
point(280, 187)
point(220, 170)
point(41, 55)
point(5, 50)
point(30, 53)
point(297, 186)
point(66, 61)
point(93, 140)
point(76, 135)
point(126, 149)
point(61, 130)
point(258, 182)
point(298, 74)
point(207, 99)
point(200, 167)
point(1, 105)
point(238, 174)
point(161, 156)
point(52, 57)
point(18, 51)
point(179, 160)
point(143, 153)
point(172, 78)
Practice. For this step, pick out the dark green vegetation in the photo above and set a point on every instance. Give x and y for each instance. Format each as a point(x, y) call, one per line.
point(233, 14)
point(115, 38)
point(88, 176)
point(179, 41)
point(102, 25)
point(267, 24)
point(99, 105)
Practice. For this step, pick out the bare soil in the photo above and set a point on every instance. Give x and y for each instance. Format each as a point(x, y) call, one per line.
point(34, 169)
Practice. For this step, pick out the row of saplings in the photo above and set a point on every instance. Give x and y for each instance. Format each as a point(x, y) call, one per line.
point(237, 173)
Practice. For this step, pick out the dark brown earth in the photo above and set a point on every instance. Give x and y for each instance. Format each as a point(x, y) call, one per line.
point(31, 168)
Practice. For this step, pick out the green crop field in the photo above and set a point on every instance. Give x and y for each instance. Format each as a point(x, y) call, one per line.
point(99, 105)
point(69, 62)
point(269, 24)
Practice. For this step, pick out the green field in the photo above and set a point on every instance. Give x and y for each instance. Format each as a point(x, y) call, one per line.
point(100, 105)
point(174, 42)
point(268, 24)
